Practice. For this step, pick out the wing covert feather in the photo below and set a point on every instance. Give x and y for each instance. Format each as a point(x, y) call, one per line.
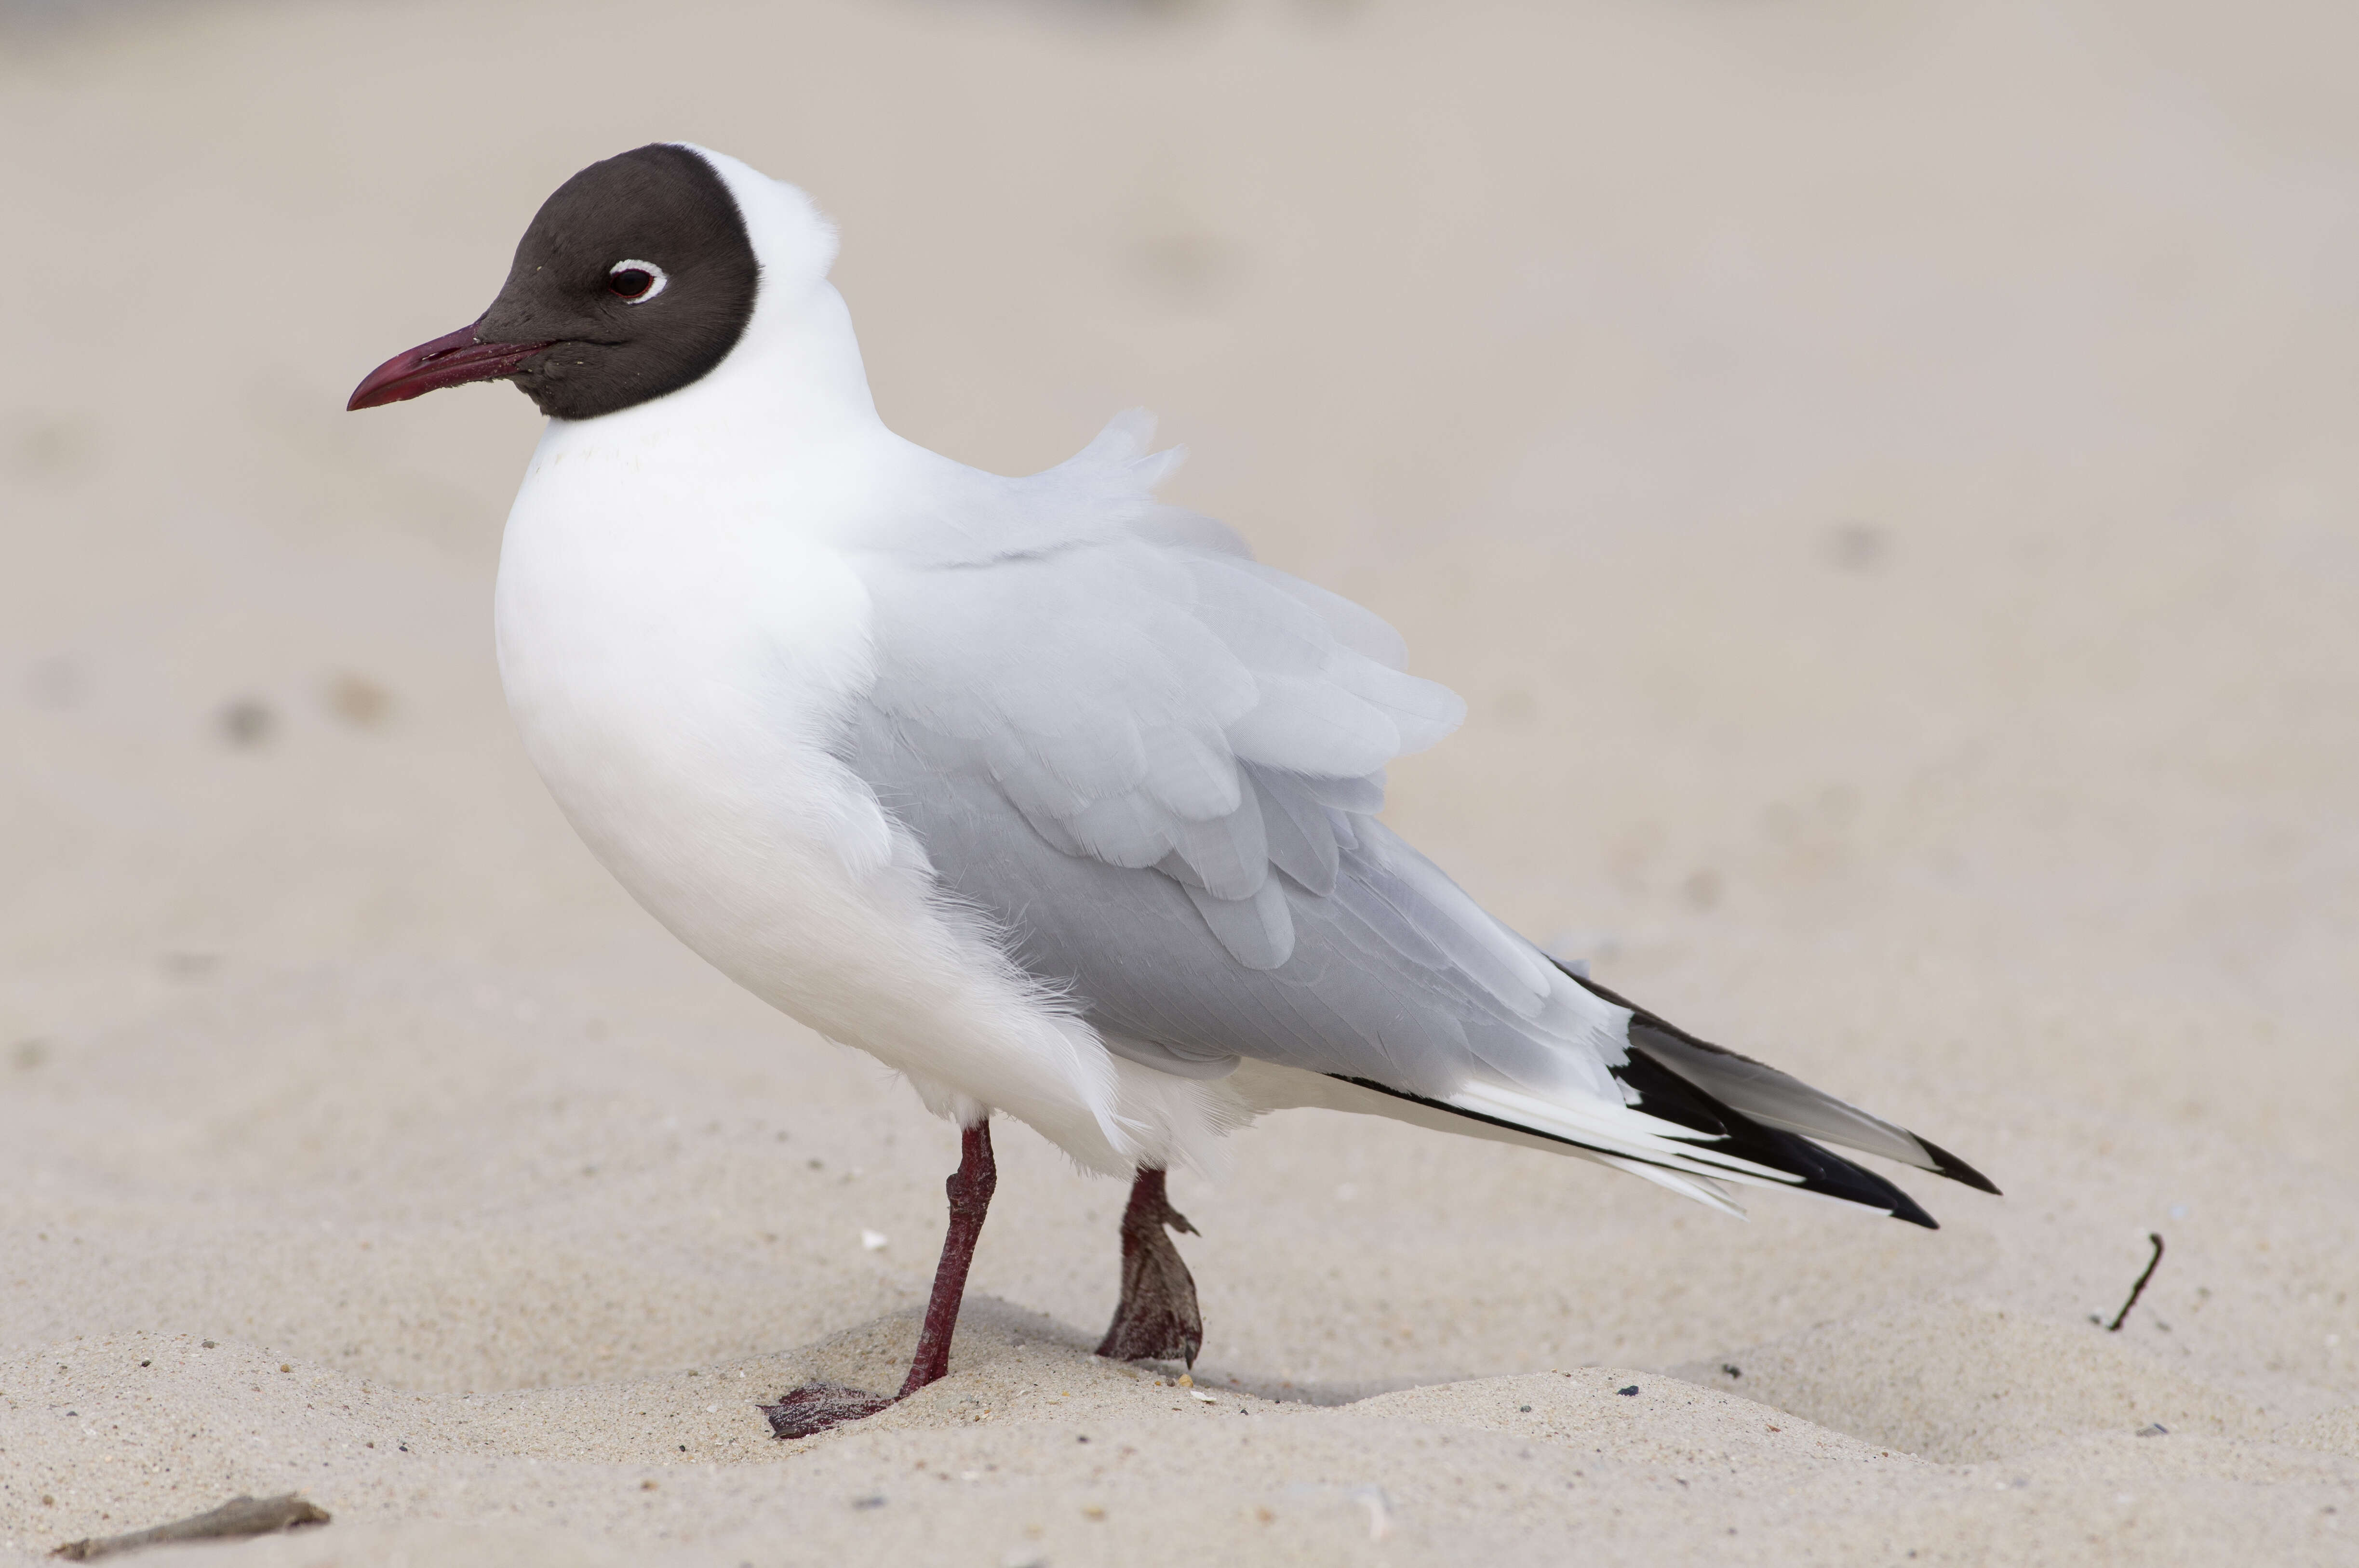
point(1153, 760)
point(1145, 695)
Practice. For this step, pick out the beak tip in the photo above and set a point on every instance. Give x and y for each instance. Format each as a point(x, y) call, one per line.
point(377, 391)
point(450, 359)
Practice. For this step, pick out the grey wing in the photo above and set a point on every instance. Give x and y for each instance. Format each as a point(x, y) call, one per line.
point(1154, 764)
point(1368, 988)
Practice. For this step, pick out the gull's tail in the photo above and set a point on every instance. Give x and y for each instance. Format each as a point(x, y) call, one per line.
point(1698, 1115)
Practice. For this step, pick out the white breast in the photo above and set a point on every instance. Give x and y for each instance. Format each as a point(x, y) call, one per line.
point(674, 674)
point(677, 652)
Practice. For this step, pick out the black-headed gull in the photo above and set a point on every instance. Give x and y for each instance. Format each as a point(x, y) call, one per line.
point(1039, 790)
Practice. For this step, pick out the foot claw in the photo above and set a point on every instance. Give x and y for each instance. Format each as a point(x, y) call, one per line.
point(815, 1407)
point(1157, 1319)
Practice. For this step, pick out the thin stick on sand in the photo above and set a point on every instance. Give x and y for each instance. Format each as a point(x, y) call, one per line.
point(237, 1516)
point(2140, 1289)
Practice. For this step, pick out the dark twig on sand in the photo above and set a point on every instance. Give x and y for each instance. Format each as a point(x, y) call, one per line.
point(237, 1516)
point(2140, 1289)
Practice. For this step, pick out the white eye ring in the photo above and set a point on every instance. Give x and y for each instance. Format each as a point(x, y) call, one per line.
point(662, 279)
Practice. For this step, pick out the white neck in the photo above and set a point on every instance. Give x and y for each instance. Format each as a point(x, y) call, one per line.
point(783, 429)
point(797, 366)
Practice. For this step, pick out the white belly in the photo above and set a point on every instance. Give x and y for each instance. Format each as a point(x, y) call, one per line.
point(677, 687)
point(676, 695)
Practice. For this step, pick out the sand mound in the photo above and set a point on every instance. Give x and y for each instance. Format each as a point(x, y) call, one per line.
point(1961, 1382)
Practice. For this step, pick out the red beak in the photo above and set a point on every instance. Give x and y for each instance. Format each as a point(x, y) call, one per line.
point(448, 361)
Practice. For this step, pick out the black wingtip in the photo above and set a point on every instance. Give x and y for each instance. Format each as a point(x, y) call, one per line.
point(1664, 1093)
point(1944, 1163)
point(1908, 1209)
point(1948, 1164)
point(1823, 1171)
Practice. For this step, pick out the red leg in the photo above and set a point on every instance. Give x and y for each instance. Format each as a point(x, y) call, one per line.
point(815, 1407)
point(970, 1189)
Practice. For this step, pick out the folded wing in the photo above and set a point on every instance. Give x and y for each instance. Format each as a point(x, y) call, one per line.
point(1155, 764)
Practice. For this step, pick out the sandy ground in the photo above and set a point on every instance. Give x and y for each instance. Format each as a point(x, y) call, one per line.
point(1884, 477)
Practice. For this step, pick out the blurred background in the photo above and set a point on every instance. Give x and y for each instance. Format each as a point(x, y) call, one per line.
point(1884, 477)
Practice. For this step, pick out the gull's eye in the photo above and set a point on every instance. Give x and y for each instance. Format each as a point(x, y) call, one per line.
point(635, 282)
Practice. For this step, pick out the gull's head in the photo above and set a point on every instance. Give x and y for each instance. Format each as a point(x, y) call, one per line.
point(637, 278)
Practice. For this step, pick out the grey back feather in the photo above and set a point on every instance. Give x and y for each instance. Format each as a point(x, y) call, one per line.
point(1379, 978)
point(1148, 700)
point(1154, 762)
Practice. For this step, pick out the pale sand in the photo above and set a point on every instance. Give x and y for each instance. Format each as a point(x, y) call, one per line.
point(1884, 477)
